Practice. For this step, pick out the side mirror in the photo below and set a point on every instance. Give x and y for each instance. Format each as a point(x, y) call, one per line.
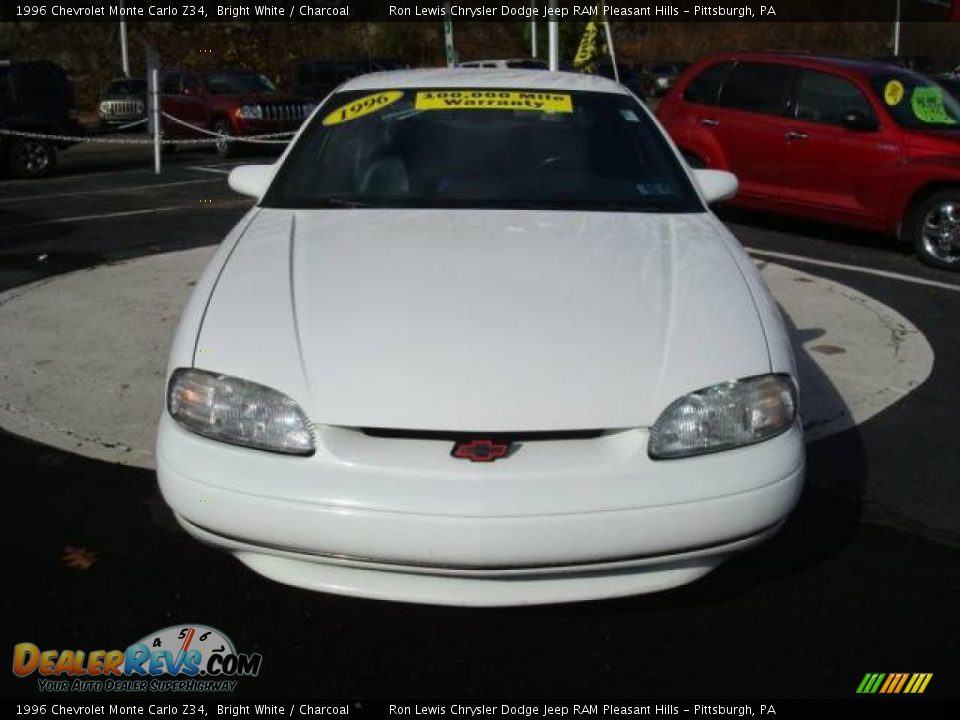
point(716, 185)
point(858, 120)
point(252, 180)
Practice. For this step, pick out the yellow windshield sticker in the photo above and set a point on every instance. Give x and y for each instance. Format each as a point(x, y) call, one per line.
point(493, 100)
point(893, 92)
point(927, 105)
point(362, 106)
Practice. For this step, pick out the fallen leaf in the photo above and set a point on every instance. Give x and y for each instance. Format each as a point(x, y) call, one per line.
point(78, 558)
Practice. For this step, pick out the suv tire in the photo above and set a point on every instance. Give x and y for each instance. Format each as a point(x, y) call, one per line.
point(31, 158)
point(932, 226)
point(224, 148)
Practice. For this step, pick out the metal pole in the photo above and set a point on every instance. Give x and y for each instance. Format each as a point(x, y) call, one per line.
point(553, 27)
point(155, 109)
point(613, 54)
point(123, 45)
point(533, 30)
point(896, 31)
point(448, 49)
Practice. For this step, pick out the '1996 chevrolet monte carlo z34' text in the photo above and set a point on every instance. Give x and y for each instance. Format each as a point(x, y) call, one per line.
point(481, 342)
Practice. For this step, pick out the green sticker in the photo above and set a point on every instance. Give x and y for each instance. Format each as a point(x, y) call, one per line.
point(927, 105)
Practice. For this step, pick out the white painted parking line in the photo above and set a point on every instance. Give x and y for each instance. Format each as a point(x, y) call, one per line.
point(125, 213)
point(101, 216)
point(854, 268)
point(202, 168)
point(24, 198)
point(74, 176)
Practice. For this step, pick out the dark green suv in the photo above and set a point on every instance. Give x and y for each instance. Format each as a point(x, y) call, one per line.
point(34, 97)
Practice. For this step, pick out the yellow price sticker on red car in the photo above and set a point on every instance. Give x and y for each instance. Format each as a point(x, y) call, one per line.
point(362, 106)
point(493, 100)
point(893, 92)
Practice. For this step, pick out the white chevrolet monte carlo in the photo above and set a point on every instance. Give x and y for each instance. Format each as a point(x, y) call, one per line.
point(481, 342)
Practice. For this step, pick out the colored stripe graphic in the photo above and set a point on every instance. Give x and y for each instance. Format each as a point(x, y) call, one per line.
point(894, 683)
point(870, 683)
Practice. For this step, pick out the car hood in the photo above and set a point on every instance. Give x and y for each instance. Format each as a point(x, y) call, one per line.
point(124, 96)
point(255, 98)
point(482, 320)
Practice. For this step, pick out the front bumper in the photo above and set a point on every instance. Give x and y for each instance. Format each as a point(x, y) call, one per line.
point(253, 126)
point(453, 533)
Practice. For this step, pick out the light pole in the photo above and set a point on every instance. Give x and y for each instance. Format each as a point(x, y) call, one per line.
point(125, 59)
point(533, 29)
point(896, 31)
point(553, 27)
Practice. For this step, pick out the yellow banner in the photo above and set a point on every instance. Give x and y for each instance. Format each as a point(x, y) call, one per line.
point(589, 48)
point(362, 106)
point(493, 100)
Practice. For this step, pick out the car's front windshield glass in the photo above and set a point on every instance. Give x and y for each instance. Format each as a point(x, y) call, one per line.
point(229, 83)
point(917, 102)
point(496, 148)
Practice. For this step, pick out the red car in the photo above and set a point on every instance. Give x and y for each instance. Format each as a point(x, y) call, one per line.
point(855, 142)
point(229, 102)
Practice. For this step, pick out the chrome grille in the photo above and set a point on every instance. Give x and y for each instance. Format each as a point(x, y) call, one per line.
point(285, 111)
point(121, 108)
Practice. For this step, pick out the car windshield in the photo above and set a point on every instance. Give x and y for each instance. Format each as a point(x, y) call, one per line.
point(917, 102)
point(236, 83)
point(486, 148)
point(127, 87)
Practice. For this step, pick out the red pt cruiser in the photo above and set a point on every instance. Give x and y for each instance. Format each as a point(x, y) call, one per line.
point(859, 143)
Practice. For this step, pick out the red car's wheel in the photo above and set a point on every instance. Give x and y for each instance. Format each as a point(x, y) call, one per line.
point(933, 227)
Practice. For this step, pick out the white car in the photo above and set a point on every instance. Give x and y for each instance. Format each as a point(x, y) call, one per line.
point(481, 342)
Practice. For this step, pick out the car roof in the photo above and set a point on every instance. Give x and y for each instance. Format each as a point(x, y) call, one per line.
point(815, 61)
point(481, 78)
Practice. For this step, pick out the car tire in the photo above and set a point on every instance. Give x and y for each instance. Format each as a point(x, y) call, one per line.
point(224, 148)
point(31, 158)
point(932, 226)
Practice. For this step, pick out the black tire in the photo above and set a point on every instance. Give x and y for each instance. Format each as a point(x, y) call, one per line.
point(31, 158)
point(932, 226)
point(224, 149)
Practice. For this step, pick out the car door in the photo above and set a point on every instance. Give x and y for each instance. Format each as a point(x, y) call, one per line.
point(193, 100)
point(836, 166)
point(171, 103)
point(748, 121)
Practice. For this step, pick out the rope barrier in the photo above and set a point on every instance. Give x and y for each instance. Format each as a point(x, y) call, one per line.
point(265, 139)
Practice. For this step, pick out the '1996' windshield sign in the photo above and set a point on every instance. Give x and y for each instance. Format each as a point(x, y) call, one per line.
point(493, 100)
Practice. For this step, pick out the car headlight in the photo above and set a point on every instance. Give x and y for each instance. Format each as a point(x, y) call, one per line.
point(238, 411)
point(725, 416)
point(250, 112)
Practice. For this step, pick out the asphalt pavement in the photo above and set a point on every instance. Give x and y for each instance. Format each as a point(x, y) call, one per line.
point(852, 585)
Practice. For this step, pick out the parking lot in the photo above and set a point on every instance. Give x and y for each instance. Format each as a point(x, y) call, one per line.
point(863, 577)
